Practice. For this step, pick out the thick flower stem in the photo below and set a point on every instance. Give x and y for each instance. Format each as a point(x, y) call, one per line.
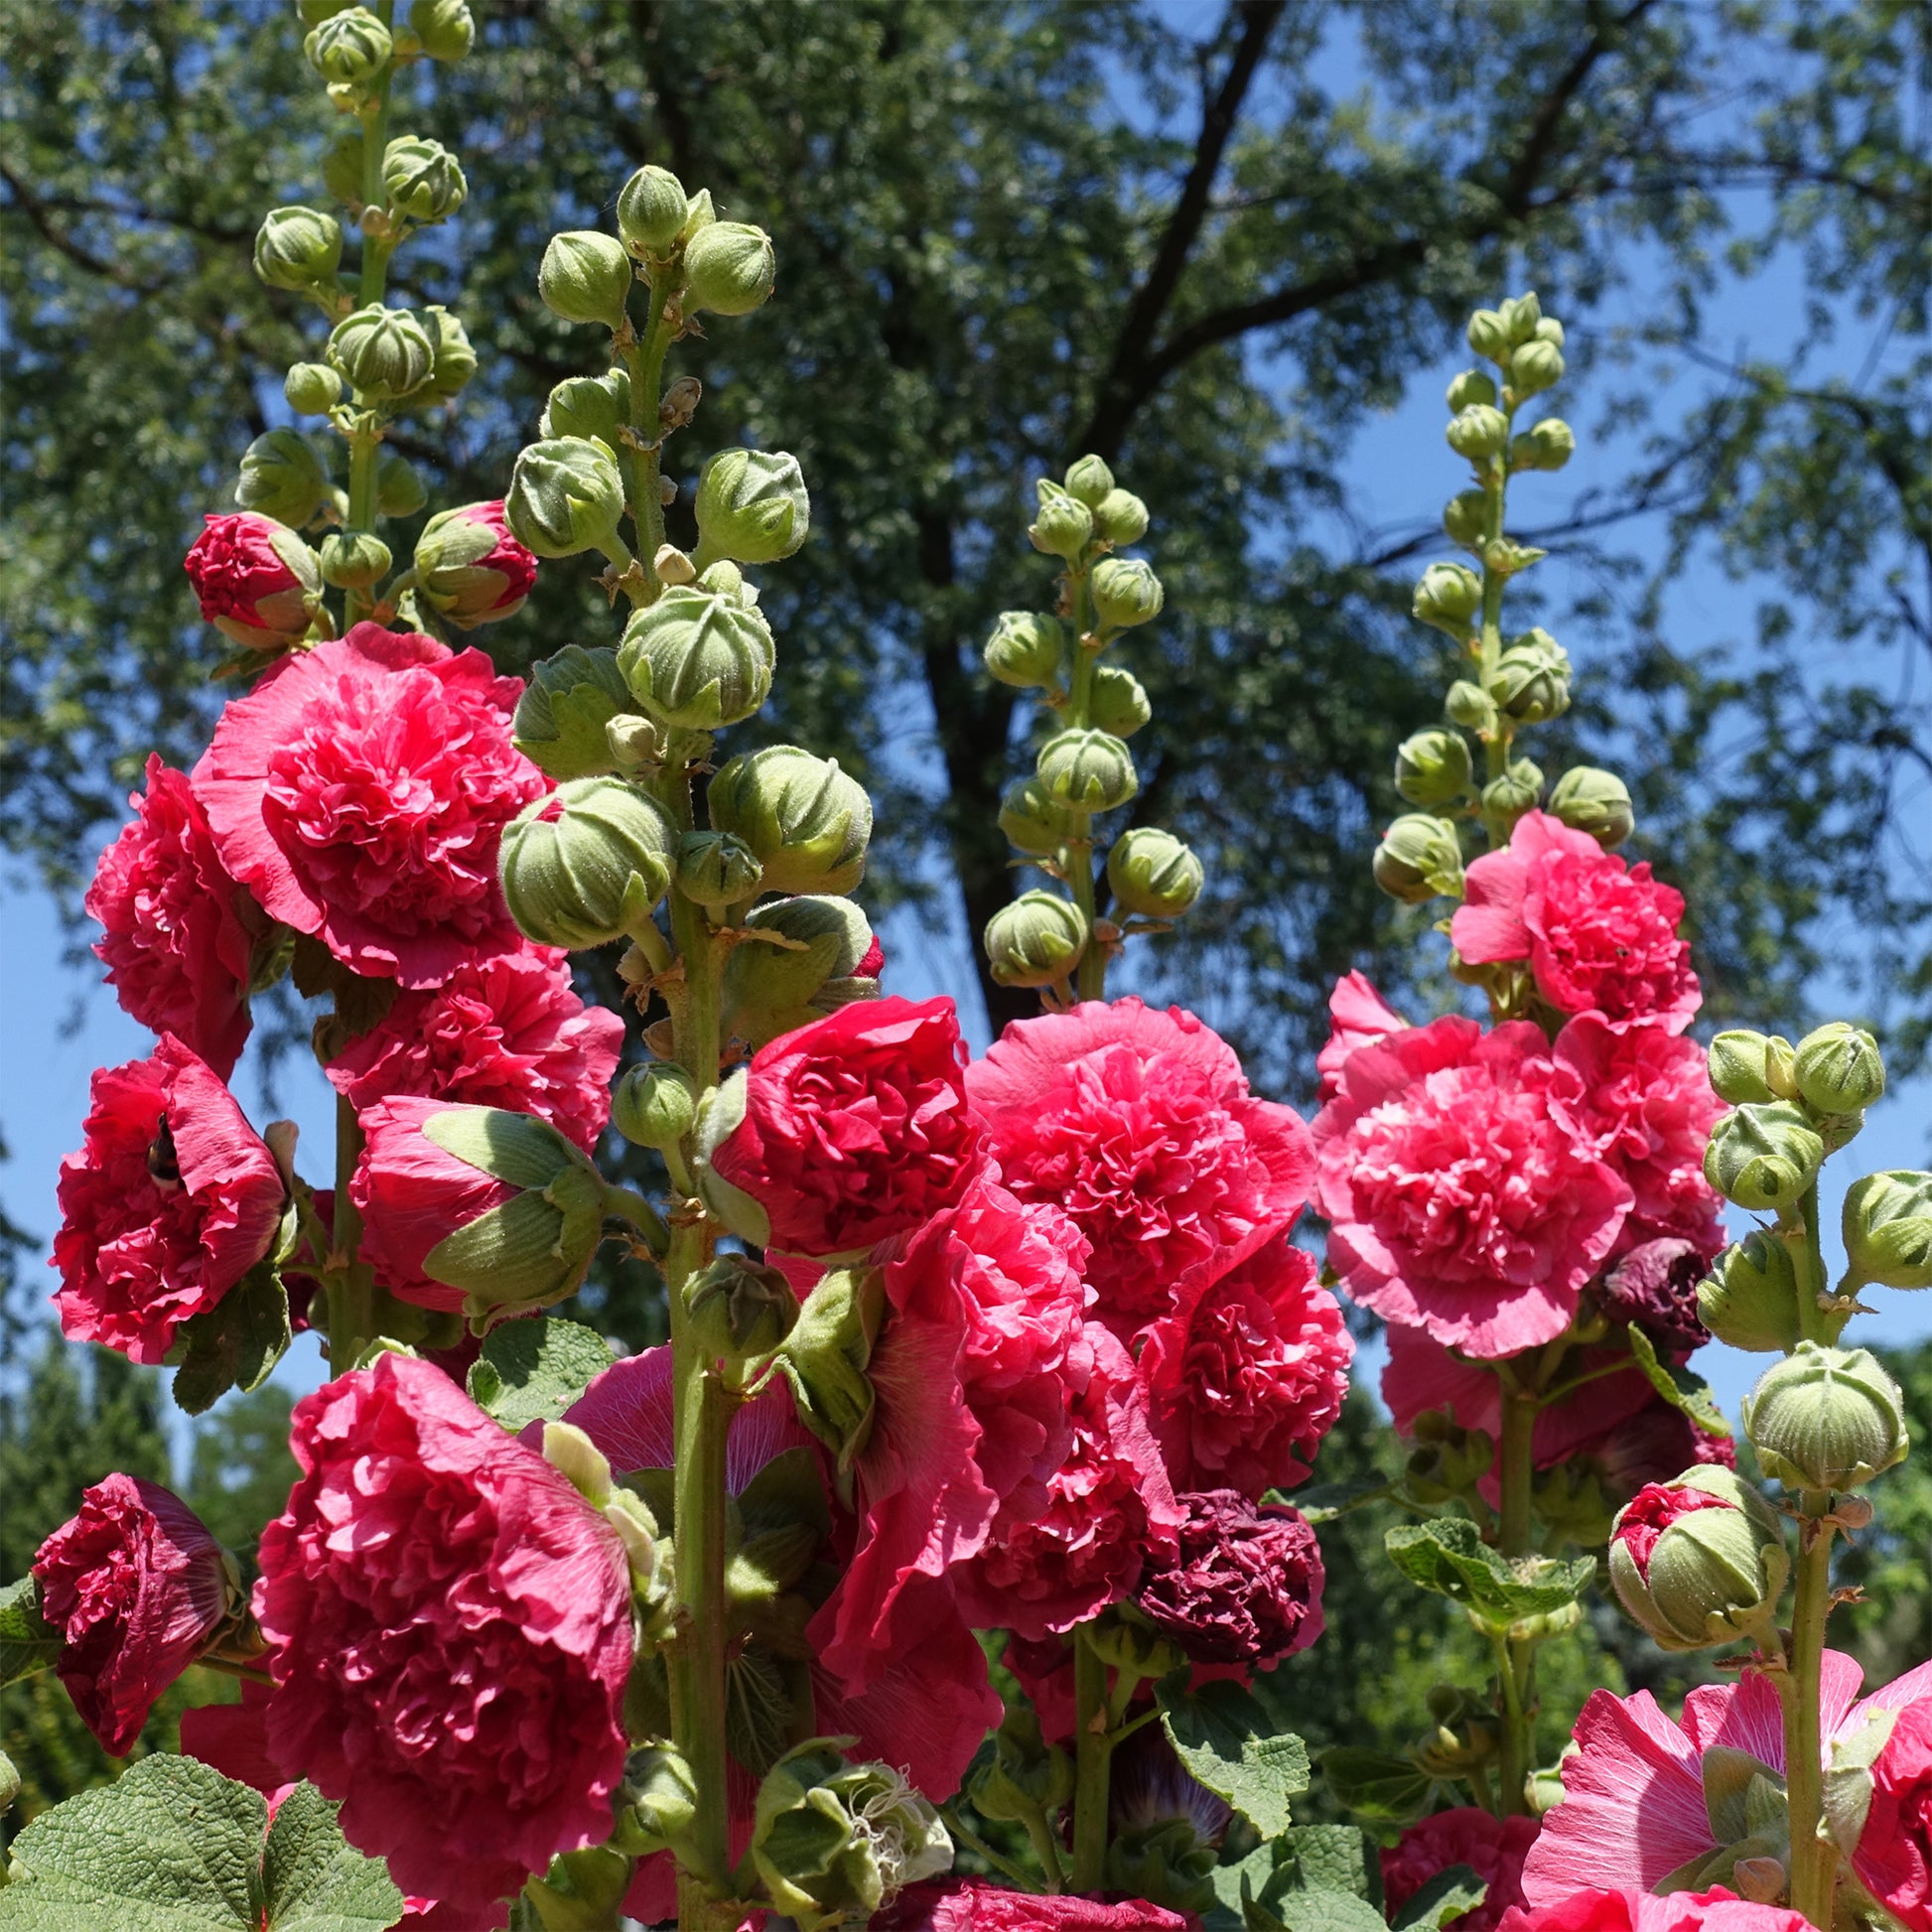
point(1093, 1751)
point(364, 449)
point(1814, 1324)
point(1495, 742)
point(644, 362)
point(1515, 1657)
point(1814, 1856)
point(1090, 976)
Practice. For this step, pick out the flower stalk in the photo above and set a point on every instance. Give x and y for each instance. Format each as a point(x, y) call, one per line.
point(1814, 1853)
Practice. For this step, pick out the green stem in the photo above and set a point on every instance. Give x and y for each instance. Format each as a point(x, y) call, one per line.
point(352, 1286)
point(1814, 1324)
point(1515, 1657)
point(1814, 1856)
point(1495, 742)
point(644, 361)
point(1005, 1867)
point(1046, 1846)
point(1093, 1750)
point(1077, 857)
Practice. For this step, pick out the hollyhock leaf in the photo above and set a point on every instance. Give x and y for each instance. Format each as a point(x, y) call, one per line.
point(759, 1716)
point(1249, 1881)
point(1318, 1909)
point(1336, 1858)
point(1376, 1785)
point(1449, 1557)
point(1446, 1896)
point(28, 1643)
point(533, 1370)
point(313, 1881)
point(1328, 1500)
point(236, 1343)
point(1223, 1738)
point(1687, 1393)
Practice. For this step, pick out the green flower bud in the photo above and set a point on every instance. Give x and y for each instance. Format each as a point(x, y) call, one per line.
point(1764, 1154)
point(1153, 874)
point(1036, 940)
point(1522, 317)
point(1699, 1574)
point(1116, 701)
point(729, 268)
point(1472, 390)
point(770, 988)
point(1091, 771)
point(1447, 596)
point(383, 355)
point(717, 871)
point(751, 505)
point(1750, 1298)
point(587, 864)
point(422, 180)
point(352, 560)
point(1548, 445)
point(1507, 798)
point(701, 216)
point(566, 496)
point(652, 209)
point(1090, 480)
point(1597, 802)
point(1466, 516)
point(740, 1308)
point(1532, 680)
point(1487, 335)
point(1838, 1069)
point(311, 13)
point(1433, 768)
point(1063, 527)
point(1479, 431)
point(312, 388)
point(282, 476)
point(1120, 517)
point(1470, 706)
point(596, 406)
point(808, 821)
point(1827, 1419)
point(1026, 650)
point(443, 27)
point(342, 166)
point(454, 364)
point(698, 658)
point(1126, 591)
point(1419, 858)
point(655, 1105)
point(1034, 821)
point(349, 49)
point(586, 277)
point(657, 1804)
point(570, 699)
point(1739, 1060)
point(1888, 1228)
point(297, 248)
point(399, 490)
point(1535, 367)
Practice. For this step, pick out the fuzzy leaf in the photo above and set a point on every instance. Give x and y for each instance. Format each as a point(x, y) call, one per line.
point(1317, 1909)
point(314, 1879)
point(28, 1643)
point(1224, 1738)
point(1336, 1858)
point(532, 1370)
point(1453, 1891)
point(1684, 1391)
point(1449, 1557)
point(1376, 1785)
point(236, 1343)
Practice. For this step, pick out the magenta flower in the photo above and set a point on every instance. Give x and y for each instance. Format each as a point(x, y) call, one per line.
point(1492, 1848)
point(973, 1906)
point(1358, 1015)
point(1243, 1586)
point(1716, 1910)
point(1896, 1852)
point(253, 577)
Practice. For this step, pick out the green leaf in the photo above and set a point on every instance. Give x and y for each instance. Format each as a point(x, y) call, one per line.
point(1246, 1880)
point(533, 1370)
point(28, 1643)
point(315, 1880)
point(1336, 1858)
point(236, 1343)
point(1678, 1386)
point(1453, 1891)
point(1324, 1502)
point(1449, 1557)
point(1376, 1785)
point(1223, 1738)
point(1848, 1781)
point(1317, 1909)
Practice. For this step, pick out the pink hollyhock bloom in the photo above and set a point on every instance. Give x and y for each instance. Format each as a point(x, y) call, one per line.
point(973, 1906)
point(175, 947)
point(170, 1201)
point(359, 791)
point(1459, 1196)
point(854, 1129)
point(450, 1624)
point(1140, 1126)
point(1244, 1585)
point(1716, 1910)
point(1600, 935)
point(1243, 1386)
point(1896, 1852)
point(469, 569)
point(1492, 1848)
point(135, 1586)
point(1358, 1015)
point(253, 577)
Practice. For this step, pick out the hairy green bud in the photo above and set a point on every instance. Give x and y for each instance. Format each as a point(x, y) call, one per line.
point(586, 277)
point(297, 248)
point(655, 1105)
point(383, 355)
point(1036, 940)
point(1548, 445)
point(770, 987)
point(1827, 1419)
point(1535, 366)
point(1507, 798)
point(1472, 390)
point(698, 658)
point(751, 505)
point(1120, 517)
point(1532, 679)
point(808, 821)
point(1433, 768)
point(312, 388)
point(1090, 480)
point(1466, 518)
point(651, 209)
point(1126, 591)
point(454, 364)
point(1419, 858)
point(282, 476)
point(1748, 1066)
point(1488, 335)
point(587, 864)
point(1446, 597)
point(1477, 432)
point(566, 496)
point(1116, 701)
point(1750, 1298)
point(1696, 1574)
point(351, 49)
point(1838, 1069)
point(399, 490)
point(561, 717)
point(1470, 706)
point(443, 28)
point(422, 180)
point(352, 560)
point(1063, 525)
point(1091, 771)
point(1153, 874)
point(1764, 1154)
point(1522, 318)
point(1887, 1228)
point(594, 406)
point(1590, 801)
point(729, 269)
point(342, 166)
point(1027, 649)
point(461, 575)
point(717, 871)
point(1033, 819)
point(740, 1308)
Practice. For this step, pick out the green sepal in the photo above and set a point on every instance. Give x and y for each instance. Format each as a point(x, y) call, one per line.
point(518, 1149)
point(236, 1343)
point(825, 1356)
point(582, 1891)
point(1685, 1392)
point(28, 1644)
point(1228, 1742)
point(1449, 1557)
point(1849, 1781)
point(525, 1250)
point(1727, 1776)
point(1377, 1785)
point(1453, 1891)
point(533, 1370)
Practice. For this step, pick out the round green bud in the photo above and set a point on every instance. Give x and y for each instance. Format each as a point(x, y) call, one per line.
point(657, 1803)
point(1597, 803)
point(1750, 1298)
point(1479, 431)
point(1090, 480)
point(349, 49)
point(587, 864)
point(1548, 445)
point(1740, 1062)
point(1764, 1154)
point(1522, 317)
point(383, 355)
point(422, 180)
point(399, 490)
point(1487, 335)
point(1532, 679)
point(1472, 390)
point(311, 13)
point(1466, 516)
point(1838, 1069)
point(585, 277)
point(655, 1105)
point(1698, 1573)
point(698, 658)
point(1470, 706)
point(1035, 942)
point(1091, 771)
point(1027, 649)
point(1433, 768)
point(561, 717)
point(1063, 527)
point(767, 986)
point(1446, 597)
point(1507, 798)
point(342, 166)
point(807, 822)
point(1116, 701)
point(297, 248)
point(738, 1308)
point(1120, 517)
point(312, 388)
point(1126, 593)
point(1827, 1419)
point(751, 505)
point(456, 361)
point(1535, 366)
point(717, 871)
point(651, 209)
point(566, 496)
point(1153, 874)
point(1887, 1228)
point(1419, 858)
point(352, 560)
point(596, 406)
point(729, 269)
point(282, 476)
point(1034, 821)
point(443, 27)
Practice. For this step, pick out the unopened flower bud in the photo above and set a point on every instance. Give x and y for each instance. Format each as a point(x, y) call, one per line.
point(740, 1308)
point(1447, 596)
point(588, 863)
point(1699, 1561)
point(399, 490)
point(352, 560)
point(257, 581)
point(751, 505)
point(673, 566)
point(1535, 366)
point(1470, 706)
point(655, 1105)
point(1033, 819)
point(1477, 432)
point(807, 822)
point(1035, 942)
point(652, 209)
point(1126, 591)
point(1532, 679)
point(1507, 798)
point(1116, 701)
point(717, 871)
point(1063, 525)
point(1597, 803)
point(1752, 1067)
point(1750, 1298)
point(282, 476)
point(1466, 518)
point(586, 277)
point(1522, 317)
point(349, 49)
point(470, 570)
point(596, 406)
point(1091, 771)
point(1764, 1154)
point(1838, 1069)
point(1472, 390)
point(297, 248)
point(566, 496)
point(729, 269)
point(1419, 859)
point(1433, 768)
point(679, 402)
point(1090, 480)
point(561, 717)
point(827, 949)
point(1027, 649)
point(443, 28)
point(1487, 335)
point(656, 1805)
point(1887, 1228)
point(1548, 445)
point(1153, 874)
point(422, 180)
point(1827, 1419)
point(342, 166)
point(312, 388)
point(383, 355)
point(698, 658)
point(1120, 517)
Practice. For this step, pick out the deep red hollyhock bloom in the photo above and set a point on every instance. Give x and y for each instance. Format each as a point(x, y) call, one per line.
point(1716, 1910)
point(176, 950)
point(360, 791)
point(1243, 1386)
point(1358, 1015)
point(232, 1739)
point(1139, 1125)
point(856, 1128)
point(253, 577)
point(973, 1906)
point(1896, 1850)
point(1492, 1848)
point(170, 1201)
point(1600, 935)
point(136, 1587)
point(1657, 1443)
point(1655, 1285)
point(1244, 1585)
point(450, 1624)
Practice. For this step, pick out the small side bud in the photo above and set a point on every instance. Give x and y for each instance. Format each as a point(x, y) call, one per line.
point(806, 822)
point(443, 28)
point(1026, 650)
point(1764, 1154)
point(422, 180)
point(1827, 1419)
point(1446, 597)
point(455, 361)
point(740, 1308)
point(1120, 517)
point(729, 269)
point(1887, 1228)
point(1466, 518)
point(1153, 874)
point(829, 957)
point(594, 406)
point(587, 864)
point(566, 496)
point(1091, 771)
point(1548, 445)
point(1470, 706)
point(1838, 1069)
point(751, 505)
point(1507, 798)
point(1477, 432)
point(1433, 768)
point(383, 355)
point(651, 209)
point(1117, 702)
point(1090, 480)
point(282, 476)
point(586, 277)
point(1063, 525)
point(1487, 335)
point(470, 570)
point(1532, 679)
point(1035, 942)
point(312, 388)
point(655, 1105)
point(1699, 1561)
point(561, 715)
point(716, 872)
point(352, 560)
point(1419, 859)
point(1472, 390)
point(1033, 819)
point(399, 490)
point(1750, 1298)
point(1590, 801)
point(698, 658)
point(297, 248)
point(1535, 366)
point(1126, 593)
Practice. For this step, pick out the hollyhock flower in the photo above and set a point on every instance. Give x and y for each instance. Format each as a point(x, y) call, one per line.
point(254, 579)
point(973, 1906)
point(1358, 1015)
point(1655, 1285)
point(359, 792)
point(1716, 1910)
point(1458, 1195)
point(170, 1201)
point(1140, 1126)
point(176, 950)
point(1600, 935)
point(469, 569)
point(232, 1739)
point(450, 1624)
point(135, 1586)
point(1896, 1850)
point(1243, 1386)
point(1244, 1584)
point(851, 1130)
point(1492, 1848)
